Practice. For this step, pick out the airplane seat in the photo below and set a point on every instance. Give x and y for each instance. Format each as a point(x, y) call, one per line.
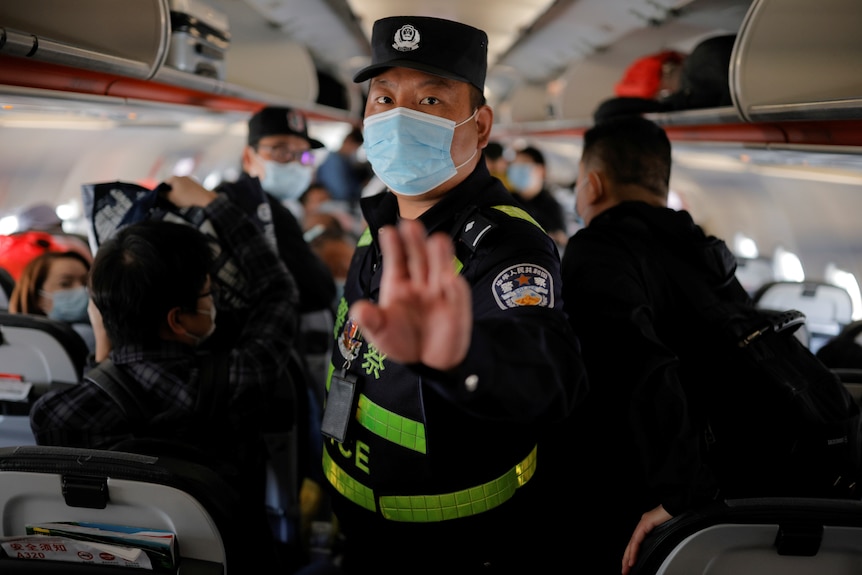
point(58, 484)
point(41, 350)
point(753, 273)
point(38, 351)
point(827, 307)
point(762, 536)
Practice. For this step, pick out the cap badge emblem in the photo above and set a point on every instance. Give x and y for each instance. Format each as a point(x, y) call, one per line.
point(406, 38)
point(296, 121)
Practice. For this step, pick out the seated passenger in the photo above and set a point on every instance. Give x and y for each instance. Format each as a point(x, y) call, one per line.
point(153, 304)
point(844, 351)
point(54, 284)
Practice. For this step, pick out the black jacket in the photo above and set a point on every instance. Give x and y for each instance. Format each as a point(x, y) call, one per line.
point(635, 428)
point(315, 282)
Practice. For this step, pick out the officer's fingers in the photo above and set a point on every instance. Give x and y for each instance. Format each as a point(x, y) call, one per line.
point(394, 265)
point(441, 263)
point(415, 246)
point(368, 315)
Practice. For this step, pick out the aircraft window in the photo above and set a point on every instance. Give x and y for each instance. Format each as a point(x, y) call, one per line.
point(744, 246)
point(788, 266)
point(847, 280)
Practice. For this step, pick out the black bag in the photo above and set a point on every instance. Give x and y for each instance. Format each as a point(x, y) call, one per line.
point(776, 420)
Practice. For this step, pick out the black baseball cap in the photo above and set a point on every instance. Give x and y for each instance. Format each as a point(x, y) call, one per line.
point(441, 47)
point(278, 121)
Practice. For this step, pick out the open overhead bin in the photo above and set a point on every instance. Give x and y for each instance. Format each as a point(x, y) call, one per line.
point(799, 60)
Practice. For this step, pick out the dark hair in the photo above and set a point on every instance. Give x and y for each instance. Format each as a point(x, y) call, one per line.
point(25, 295)
point(534, 153)
point(631, 150)
point(144, 271)
point(494, 150)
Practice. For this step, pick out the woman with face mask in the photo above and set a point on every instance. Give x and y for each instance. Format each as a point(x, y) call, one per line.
point(54, 284)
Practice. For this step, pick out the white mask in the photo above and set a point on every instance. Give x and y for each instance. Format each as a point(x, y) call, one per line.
point(199, 339)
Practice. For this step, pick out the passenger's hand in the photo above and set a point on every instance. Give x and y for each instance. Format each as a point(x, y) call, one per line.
point(186, 192)
point(649, 521)
point(425, 313)
point(103, 343)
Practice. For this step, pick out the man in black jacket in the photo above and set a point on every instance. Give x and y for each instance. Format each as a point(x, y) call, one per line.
point(647, 465)
point(278, 159)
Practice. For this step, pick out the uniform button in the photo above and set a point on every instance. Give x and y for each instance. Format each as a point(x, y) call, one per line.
point(471, 382)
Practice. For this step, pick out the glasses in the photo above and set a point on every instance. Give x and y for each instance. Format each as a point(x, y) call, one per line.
point(282, 153)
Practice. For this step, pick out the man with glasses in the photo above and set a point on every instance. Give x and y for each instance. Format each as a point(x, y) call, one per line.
point(278, 158)
point(152, 309)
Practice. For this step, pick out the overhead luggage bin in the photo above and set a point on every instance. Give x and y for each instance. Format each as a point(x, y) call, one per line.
point(66, 33)
point(798, 60)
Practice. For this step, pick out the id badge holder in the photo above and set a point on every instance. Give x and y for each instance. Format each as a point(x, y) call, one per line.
point(339, 406)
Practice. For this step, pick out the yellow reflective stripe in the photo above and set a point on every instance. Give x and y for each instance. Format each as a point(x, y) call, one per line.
point(365, 238)
point(346, 485)
point(391, 426)
point(464, 503)
point(329, 373)
point(428, 508)
point(458, 265)
point(516, 212)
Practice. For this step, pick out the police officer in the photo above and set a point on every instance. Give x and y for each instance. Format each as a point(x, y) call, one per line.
point(452, 359)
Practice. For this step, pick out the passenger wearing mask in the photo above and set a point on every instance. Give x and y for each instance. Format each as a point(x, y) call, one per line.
point(639, 424)
point(527, 174)
point(54, 284)
point(498, 164)
point(278, 158)
point(154, 305)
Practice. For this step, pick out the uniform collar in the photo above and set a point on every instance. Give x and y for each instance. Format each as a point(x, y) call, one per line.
point(478, 189)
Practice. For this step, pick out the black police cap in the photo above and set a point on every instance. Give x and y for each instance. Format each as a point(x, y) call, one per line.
point(441, 47)
point(278, 121)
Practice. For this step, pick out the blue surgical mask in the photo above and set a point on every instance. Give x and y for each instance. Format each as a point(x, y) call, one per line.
point(69, 305)
point(410, 151)
point(520, 176)
point(286, 181)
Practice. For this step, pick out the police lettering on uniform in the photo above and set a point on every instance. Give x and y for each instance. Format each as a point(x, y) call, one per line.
point(453, 358)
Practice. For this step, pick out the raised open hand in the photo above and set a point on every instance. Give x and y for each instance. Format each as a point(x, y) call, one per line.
point(424, 314)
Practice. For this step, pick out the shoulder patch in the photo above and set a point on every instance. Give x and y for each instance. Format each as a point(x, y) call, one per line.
point(524, 285)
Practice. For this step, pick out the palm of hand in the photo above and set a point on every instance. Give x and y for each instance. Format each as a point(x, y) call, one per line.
point(424, 313)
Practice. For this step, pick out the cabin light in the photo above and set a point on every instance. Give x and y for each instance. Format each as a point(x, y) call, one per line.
point(847, 280)
point(744, 246)
point(48, 123)
point(238, 129)
point(202, 127)
point(788, 266)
